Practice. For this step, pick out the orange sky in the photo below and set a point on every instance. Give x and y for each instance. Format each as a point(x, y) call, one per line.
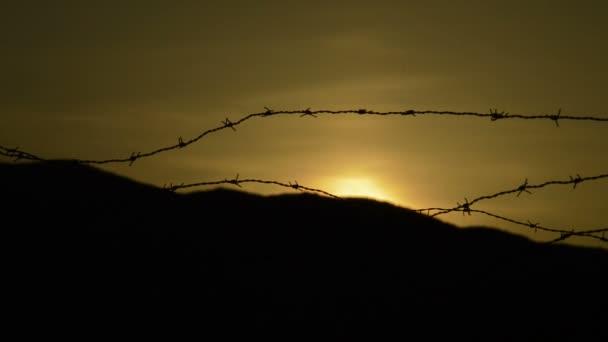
point(101, 79)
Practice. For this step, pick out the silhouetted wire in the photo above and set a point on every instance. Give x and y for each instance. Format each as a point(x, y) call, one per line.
point(494, 115)
point(564, 234)
point(465, 208)
point(17, 154)
point(519, 190)
point(236, 181)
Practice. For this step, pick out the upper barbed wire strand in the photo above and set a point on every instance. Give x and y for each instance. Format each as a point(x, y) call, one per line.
point(493, 114)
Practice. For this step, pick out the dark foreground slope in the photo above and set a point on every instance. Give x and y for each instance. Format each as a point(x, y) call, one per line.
point(92, 253)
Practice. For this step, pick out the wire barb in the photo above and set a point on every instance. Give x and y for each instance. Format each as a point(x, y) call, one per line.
point(533, 225)
point(295, 185)
point(173, 188)
point(234, 181)
point(576, 180)
point(228, 123)
point(495, 115)
point(134, 156)
point(522, 188)
point(465, 207)
point(180, 142)
point(268, 111)
point(16, 153)
point(556, 117)
point(306, 112)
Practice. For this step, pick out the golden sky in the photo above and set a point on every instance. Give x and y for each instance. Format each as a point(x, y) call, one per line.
point(102, 79)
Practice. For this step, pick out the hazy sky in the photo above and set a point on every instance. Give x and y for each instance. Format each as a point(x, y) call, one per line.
point(101, 79)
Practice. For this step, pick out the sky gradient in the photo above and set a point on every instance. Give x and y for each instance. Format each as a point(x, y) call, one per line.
point(102, 79)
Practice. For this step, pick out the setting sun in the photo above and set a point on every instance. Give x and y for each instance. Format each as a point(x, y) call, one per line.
point(359, 187)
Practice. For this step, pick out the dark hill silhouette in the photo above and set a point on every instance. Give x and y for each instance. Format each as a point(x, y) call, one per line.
point(93, 251)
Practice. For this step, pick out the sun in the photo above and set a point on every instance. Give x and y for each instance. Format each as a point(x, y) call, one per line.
point(358, 187)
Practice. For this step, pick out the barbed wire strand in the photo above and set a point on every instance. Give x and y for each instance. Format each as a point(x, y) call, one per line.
point(17, 154)
point(564, 234)
point(236, 181)
point(464, 208)
point(493, 114)
point(519, 190)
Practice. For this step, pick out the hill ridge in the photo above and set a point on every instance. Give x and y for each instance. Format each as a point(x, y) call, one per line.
point(92, 242)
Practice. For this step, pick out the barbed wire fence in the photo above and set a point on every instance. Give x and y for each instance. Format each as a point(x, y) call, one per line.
point(494, 115)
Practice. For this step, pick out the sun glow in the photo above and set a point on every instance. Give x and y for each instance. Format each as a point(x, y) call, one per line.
point(358, 187)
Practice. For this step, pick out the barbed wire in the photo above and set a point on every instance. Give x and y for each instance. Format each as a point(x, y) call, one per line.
point(493, 114)
point(16, 154)
point(564, 233)
point(465, 208)
point(519, 190)
point(236, 181)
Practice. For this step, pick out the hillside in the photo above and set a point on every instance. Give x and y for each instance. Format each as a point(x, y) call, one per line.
point(91, 250)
